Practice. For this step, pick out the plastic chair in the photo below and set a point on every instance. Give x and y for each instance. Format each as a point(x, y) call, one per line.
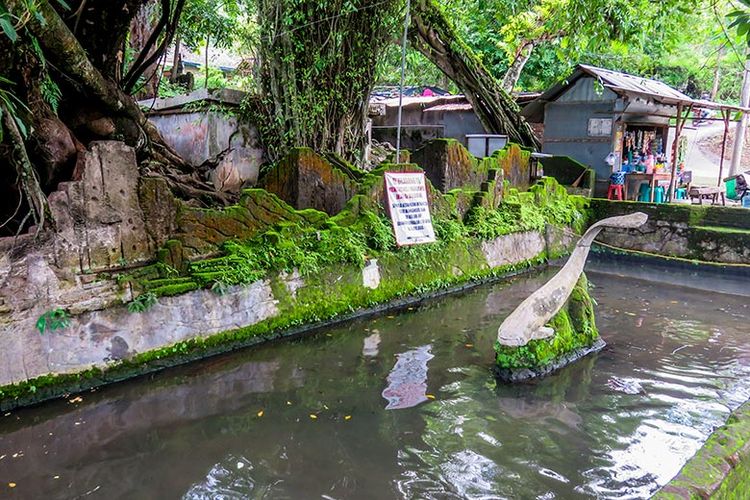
point(616, 192)
point(644, 192)
point(659, 194)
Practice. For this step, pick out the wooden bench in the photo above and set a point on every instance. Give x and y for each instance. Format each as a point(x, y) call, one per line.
point(705, 193)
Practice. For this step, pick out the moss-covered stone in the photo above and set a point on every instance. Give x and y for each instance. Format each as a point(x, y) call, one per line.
point(575, 329)
point(203, 231)
point(516, 165)
point(306, 179)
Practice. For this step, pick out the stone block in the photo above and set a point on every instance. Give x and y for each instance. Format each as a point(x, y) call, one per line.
point(305, 179)
point(449, 165)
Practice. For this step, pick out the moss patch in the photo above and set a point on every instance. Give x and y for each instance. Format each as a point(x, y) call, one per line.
point(721, 468)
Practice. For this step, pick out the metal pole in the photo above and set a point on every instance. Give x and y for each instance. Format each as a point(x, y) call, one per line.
point(401, 86)
point(739, 137)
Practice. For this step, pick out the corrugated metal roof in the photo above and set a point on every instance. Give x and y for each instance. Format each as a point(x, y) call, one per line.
point(450, 107)
point(623, 84)
point(421, 100)
point(629, 83)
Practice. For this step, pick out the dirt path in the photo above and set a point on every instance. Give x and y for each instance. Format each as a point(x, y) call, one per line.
point(704, 162)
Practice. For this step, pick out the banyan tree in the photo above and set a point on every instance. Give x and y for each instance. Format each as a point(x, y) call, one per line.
point(68, 74)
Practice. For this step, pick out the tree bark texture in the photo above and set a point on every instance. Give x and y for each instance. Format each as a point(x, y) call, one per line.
point(522, 56)
point(434, 36)
point(141, 27)
point(93, 106)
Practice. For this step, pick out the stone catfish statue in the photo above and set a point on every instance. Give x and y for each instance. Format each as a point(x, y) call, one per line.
point(528, 321)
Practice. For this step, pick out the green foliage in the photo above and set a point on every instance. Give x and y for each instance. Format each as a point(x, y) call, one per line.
point(51, 93)
point(741, 20)
point(11, 25)
point(287, 247)
point(56, 319)
point(143, 302)
point(216, 20)
point(169, 89)
point(12, 105)
point(544, 203)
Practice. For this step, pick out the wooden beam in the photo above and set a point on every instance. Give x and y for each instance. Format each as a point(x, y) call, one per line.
point(726, 115)
point(681, 120)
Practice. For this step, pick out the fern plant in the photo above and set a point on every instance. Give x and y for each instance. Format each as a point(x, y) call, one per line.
point(143, 303)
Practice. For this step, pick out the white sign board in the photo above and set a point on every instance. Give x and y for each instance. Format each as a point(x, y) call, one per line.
point(409, 208)
point(600, 127)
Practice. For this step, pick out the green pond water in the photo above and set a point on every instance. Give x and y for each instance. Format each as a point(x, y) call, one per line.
point(405, 406)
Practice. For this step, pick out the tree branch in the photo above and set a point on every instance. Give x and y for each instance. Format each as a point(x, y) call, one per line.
point(145, 60)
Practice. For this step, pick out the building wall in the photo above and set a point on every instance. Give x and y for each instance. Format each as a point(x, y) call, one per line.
point(200, 136)
point(460, 123)
point(566, 133)
point(419, 127)
point(566, 122)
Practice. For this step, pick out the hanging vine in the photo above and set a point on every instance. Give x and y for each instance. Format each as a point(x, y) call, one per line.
point(318, 66)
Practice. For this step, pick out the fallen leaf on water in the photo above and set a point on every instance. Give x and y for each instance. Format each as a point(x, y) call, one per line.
point(75, 400)
point(430, 396)
point(260, 413)
point(348, 417)
point(325, 406)
point(390, 317)
point(313, 416)
point(11, 485)
point(469, 346)
point(55, 477)
point(289, 403)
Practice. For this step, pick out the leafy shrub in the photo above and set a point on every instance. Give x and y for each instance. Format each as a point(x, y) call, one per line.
point(56, 319)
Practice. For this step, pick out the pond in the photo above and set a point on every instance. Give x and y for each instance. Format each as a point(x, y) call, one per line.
point(405, 406)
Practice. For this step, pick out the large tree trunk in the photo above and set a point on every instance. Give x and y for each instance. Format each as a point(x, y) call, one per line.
point(318, 63)
point(434, 36)
point(93, 106)
point(522, 56)
point(102, 28)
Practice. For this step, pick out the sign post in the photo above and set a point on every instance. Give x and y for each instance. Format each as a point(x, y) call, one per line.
point(409, 208)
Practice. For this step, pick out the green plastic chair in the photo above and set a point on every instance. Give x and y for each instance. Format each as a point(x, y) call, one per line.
point(731, 185)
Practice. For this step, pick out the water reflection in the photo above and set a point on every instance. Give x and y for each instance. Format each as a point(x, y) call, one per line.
point(407, 382)
point(306, 419)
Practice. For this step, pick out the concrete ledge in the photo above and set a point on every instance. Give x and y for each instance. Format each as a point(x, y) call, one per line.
point(104, 346)
point(65, 385)
point(707, 233)
point(720, 469)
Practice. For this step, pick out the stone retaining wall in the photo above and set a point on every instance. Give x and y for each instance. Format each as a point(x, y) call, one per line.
point(104, 339)
point(705, 233)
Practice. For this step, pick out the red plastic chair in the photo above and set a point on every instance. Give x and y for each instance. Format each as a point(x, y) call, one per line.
point(615, 192)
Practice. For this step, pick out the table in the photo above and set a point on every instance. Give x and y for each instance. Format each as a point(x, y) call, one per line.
point(652, 179)
point(703, 193)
